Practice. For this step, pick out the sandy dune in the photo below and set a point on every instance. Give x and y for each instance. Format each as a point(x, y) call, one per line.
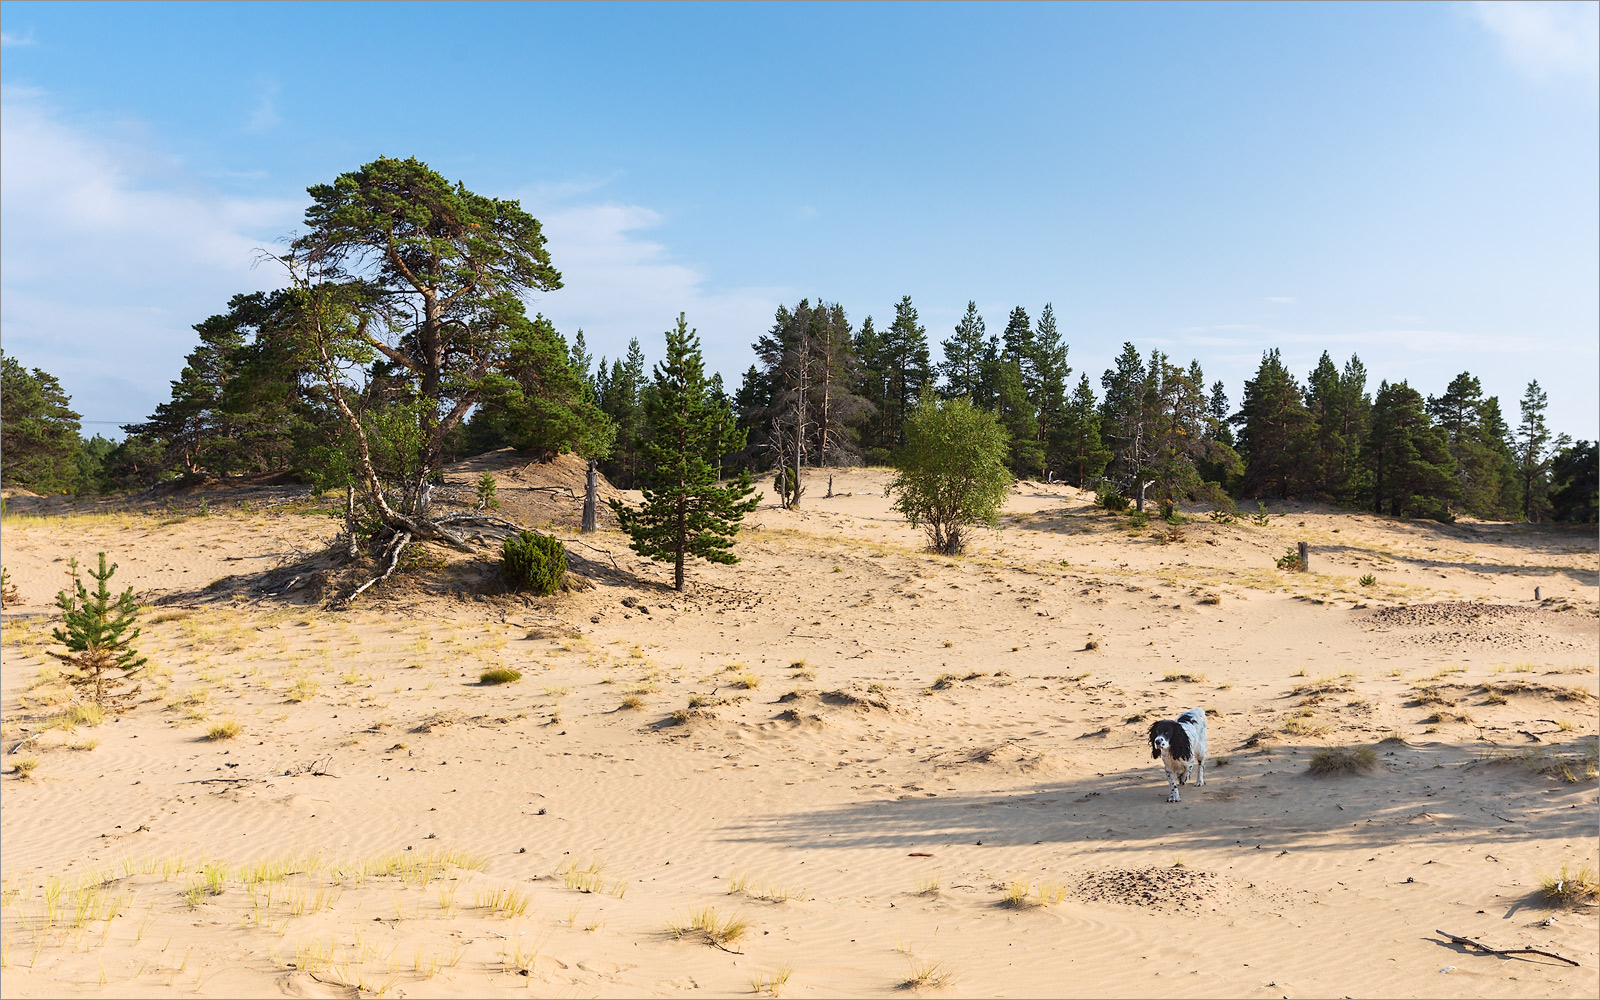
point(856, 747)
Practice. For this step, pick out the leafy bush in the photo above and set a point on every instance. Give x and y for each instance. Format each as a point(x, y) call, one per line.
point(952, 473)
point(1138, 520)
point(1110, 499)
point(531, 561)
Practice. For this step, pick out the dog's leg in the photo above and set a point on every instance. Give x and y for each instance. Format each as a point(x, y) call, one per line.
point(1172, 785)
point(1200, 763)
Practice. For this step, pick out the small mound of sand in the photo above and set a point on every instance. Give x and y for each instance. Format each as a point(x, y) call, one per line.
point(1148, 886)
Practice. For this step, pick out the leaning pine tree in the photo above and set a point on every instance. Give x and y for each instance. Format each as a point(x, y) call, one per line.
point(685, 512)
point(98, 631)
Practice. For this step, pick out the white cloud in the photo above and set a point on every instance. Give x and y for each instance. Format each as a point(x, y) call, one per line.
point(10, 39)
point(618, 285)
point(265, 114)
point(112, 251)
point(1546, 39)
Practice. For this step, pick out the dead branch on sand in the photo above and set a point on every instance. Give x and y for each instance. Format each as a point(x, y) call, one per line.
point(1503, 952)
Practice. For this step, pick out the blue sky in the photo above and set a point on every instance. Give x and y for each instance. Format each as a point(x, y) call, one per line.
point(1413, 183)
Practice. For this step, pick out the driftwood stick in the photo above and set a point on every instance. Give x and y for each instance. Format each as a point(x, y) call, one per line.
point(1503, 952)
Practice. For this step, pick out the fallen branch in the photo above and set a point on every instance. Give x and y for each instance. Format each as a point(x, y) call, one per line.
point(25, 741)
point(403, 539)
point(597, 548)
point(1503, 952)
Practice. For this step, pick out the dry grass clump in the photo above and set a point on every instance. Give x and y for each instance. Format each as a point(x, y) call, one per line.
point(705, 925)
point(1176, 676)
point(1331, 762)
point(499, 675)
point(1443, 717)
point(1323, 686)
point(24, 766)
point(303, 689)
point(745, 679)
point(632, 703)
point(1432, 696)
point(1569, 767)
point(223, 731)
point(1024, 895)
point(1519, 686)
point(772, 983)
point(1568, 889)
point(926, 975)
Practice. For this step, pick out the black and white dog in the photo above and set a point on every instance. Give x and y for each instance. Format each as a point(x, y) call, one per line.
point(1180, 745)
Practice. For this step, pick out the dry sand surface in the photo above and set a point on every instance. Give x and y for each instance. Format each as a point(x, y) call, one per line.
point(853, 751)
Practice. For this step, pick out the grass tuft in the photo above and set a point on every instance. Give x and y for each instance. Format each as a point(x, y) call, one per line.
point(926, 975)
point(1568, 889)
point(223, 731)
point(1339, 761)
point(499, 675)
point(1026, 896)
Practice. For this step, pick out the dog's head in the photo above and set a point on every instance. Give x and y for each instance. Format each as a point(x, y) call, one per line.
point(1158, 741)
point(1171, 737)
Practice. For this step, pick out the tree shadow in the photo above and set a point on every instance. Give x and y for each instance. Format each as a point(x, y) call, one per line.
point(1420, 793)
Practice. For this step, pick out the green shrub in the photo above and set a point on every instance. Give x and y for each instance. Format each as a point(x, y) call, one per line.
point(1109, 498)
point(1262, 517)
point(952, 474)
point(531, 561)
point(1368, 580)
point(1138, 520)
point(1290, 560)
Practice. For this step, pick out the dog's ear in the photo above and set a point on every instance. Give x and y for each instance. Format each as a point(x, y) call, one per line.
point(1151, 736)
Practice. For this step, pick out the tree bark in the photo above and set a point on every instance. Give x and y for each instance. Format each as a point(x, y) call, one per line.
point(591, 495)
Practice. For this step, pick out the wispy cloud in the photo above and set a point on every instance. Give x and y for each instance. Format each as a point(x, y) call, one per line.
point(1546, 39)
point(265, 114)
point(619, 283)
point(112, 252)
point(10, 39)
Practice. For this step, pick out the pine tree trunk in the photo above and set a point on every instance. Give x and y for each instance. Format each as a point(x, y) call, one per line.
point(591, 496)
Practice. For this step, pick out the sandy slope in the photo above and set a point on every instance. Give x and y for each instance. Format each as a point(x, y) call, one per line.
point(923, 732)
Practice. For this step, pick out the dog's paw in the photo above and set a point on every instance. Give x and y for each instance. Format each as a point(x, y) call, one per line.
point(1173, 797)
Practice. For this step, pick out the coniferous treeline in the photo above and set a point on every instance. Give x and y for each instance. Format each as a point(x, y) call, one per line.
point(823, 392)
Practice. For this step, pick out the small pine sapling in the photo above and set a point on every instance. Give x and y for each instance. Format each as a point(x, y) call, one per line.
point(486, 493)
point(8, 590)
point(98, 632)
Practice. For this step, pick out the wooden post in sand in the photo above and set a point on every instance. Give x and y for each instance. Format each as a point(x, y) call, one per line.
point(1305, 557)
point(591, 497)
